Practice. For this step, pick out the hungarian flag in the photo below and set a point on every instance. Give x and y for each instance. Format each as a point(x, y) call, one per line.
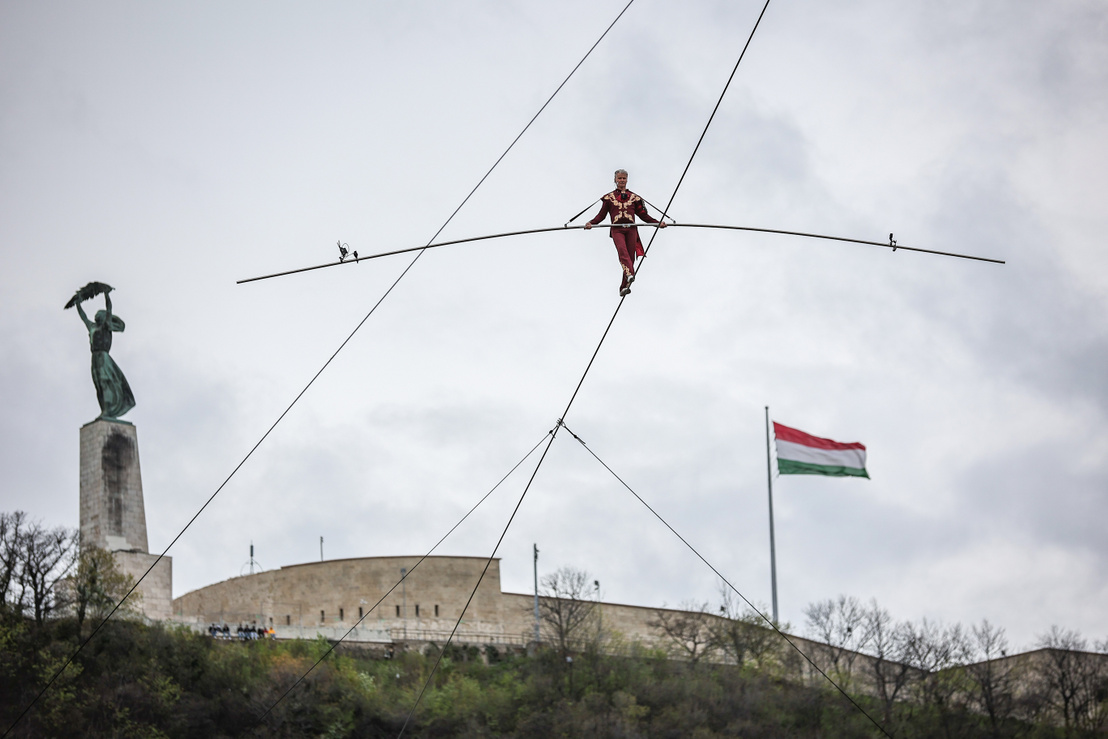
point(799, 453)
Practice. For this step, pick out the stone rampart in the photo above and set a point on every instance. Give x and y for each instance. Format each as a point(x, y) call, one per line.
point(336, 593)
point(327, 598)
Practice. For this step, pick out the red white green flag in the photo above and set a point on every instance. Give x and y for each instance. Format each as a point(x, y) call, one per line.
point(799, 453)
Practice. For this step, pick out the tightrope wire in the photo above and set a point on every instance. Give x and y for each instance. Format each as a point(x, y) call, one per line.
point(573, 397)
point(421, 252)
point(73, 656)
point(548, 229)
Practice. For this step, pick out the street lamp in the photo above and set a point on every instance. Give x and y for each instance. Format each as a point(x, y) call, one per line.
point(599, 613)
point(404, 598)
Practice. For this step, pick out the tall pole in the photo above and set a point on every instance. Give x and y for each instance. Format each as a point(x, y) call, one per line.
point(772, 547)
point(536, 593)
point(404, 598)
point(599, 614)
point(321, 549)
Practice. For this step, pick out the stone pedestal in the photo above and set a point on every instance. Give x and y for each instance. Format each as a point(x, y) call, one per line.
point(112, 513)
point(157, 589)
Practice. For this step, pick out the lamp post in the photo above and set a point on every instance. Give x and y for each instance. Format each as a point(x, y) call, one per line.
point(599, 614)
point(404, 598)
point(536, 594)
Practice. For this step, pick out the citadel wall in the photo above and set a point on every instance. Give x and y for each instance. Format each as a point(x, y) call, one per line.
point(318, 597)
point(328, 598)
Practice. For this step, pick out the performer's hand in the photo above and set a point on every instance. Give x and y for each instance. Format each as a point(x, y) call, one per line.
point(588, 225)
point(661, 224)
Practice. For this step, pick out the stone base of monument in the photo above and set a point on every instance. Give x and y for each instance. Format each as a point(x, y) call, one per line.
point(113, 514)
point(156, 591)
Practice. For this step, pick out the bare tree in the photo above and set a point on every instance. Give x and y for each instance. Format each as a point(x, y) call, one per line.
point(842, 626)
point(1073, 681)
point(992, 677)
point(11, 541)
point(1098, 714)
point(43, 560)
point(565, 610)
point(742, 633)
point(938, 653)
point(687, 632)
point(887, 643)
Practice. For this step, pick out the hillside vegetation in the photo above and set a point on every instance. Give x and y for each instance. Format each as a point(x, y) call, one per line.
point(135, 680)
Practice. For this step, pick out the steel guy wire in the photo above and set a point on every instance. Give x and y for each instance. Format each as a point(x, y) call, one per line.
point(707, 125)
point(718, 574)
point(553, 434)
point(389, 592)
point(68, 661)
point(573, 397)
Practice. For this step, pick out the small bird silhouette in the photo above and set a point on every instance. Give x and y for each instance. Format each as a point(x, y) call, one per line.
point(344, 252)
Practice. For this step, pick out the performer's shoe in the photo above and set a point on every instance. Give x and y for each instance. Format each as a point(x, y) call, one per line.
point(624, 291)
point(630, 277)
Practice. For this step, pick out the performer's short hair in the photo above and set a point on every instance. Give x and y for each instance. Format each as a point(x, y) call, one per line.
point(619, 172)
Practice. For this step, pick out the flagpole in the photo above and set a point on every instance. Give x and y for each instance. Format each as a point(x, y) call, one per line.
point(772, 548)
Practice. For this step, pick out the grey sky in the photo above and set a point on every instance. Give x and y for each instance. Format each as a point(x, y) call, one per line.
point(171, 149)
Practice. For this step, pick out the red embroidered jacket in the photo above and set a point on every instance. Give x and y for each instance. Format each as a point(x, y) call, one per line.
point(622, 207)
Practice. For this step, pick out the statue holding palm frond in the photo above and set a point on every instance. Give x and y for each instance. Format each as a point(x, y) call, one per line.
point(112, 390)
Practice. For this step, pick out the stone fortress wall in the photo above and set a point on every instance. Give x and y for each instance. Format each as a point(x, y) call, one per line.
point(327, 599)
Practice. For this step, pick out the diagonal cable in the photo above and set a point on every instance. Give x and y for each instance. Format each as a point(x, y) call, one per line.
point(718, 574)
point(704, 133)
point(249, 454)
point(372, 310)
point(351, 630)
point(553, 434)
point(73, 656)
point(680, 181)
point(581, 382)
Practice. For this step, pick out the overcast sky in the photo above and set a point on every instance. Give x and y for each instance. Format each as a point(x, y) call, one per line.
point(171, 149)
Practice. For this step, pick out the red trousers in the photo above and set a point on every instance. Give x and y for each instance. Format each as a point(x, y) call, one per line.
point(627, 246)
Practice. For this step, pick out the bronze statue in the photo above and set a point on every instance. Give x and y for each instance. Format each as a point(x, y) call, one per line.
point(112, 389)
